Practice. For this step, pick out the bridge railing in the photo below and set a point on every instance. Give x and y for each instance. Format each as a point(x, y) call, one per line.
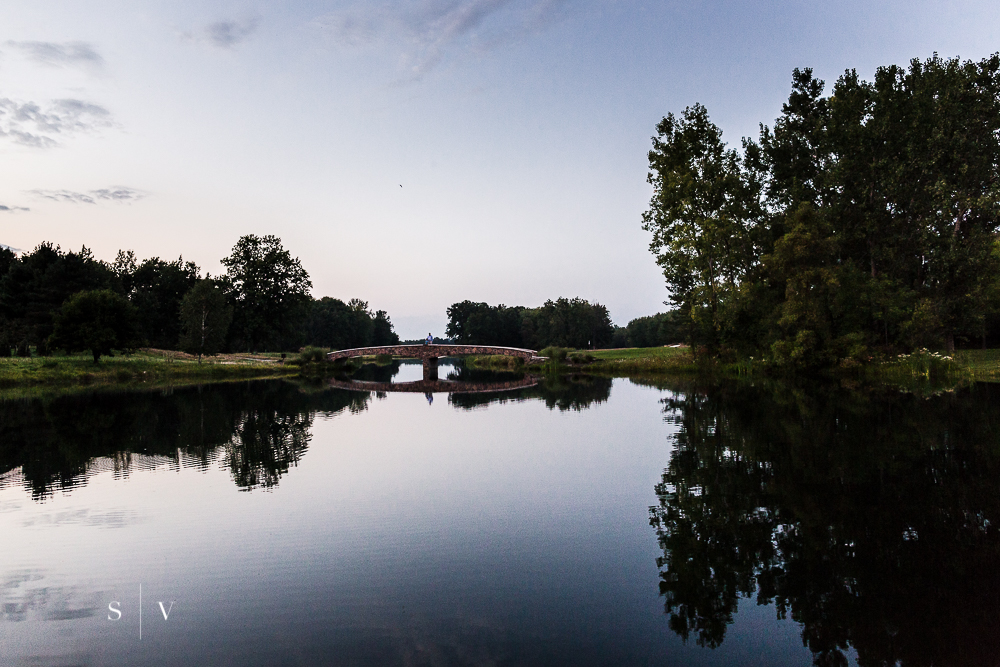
point(432, 351)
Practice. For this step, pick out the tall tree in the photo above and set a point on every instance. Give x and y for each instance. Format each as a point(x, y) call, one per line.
point(155, 287)
point(204, 318)
point(269, 292)
point(879, 203)
point(382, 331)
point(702, 215)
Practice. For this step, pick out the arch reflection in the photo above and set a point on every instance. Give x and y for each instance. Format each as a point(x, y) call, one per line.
point(436, 386)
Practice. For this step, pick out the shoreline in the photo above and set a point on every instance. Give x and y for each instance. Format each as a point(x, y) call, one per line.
point(152, 369)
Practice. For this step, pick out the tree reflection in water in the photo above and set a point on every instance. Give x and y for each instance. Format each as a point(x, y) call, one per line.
point(258, 429)
point(563, 392)
point(869, 518)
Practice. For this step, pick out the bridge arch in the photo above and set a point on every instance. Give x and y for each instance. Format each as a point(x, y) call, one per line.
point(430, 354)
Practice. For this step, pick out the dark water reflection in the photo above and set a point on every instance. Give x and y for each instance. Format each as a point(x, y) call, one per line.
point(504, 528)
point(871, 518)
point(257, 430)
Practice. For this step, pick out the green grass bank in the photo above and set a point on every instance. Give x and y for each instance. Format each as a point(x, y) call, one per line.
point(143, 368)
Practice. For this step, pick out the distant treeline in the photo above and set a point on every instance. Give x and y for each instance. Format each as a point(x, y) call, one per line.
point(575, 323)
point(50, 296)
point(564, 322)
point(652, 331)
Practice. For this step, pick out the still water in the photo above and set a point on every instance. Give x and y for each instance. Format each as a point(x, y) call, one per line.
point(583, 521)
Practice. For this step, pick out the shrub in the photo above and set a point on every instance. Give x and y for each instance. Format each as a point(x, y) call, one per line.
point(310, 354)
point(555, 353)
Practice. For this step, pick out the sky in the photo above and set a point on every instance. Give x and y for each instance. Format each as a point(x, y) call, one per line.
point(414, 153)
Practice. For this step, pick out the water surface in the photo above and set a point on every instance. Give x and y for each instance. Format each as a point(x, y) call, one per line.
point(292, 524)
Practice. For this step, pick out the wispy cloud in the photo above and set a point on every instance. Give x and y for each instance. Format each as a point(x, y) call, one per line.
point(428, 31)
point(11, 209)
point(114, 193)
point(64, 54)
point(227, 34)
point(29, 124)
point(224, 34)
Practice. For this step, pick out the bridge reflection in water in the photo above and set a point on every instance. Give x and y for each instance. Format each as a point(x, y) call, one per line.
point(429, 355)
point(436, 386)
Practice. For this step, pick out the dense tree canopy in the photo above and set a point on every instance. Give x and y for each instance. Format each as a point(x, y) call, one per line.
point(36, 284)
point(655, 330)
point(269, 291)
point(342, 326)
point(156, 287)
point(563, 322)
point(97, 320)
point(862, 221)
point(266, 290)
point(205, 317)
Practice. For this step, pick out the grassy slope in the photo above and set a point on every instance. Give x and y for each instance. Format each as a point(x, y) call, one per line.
point(141, 368)
point(642, 360)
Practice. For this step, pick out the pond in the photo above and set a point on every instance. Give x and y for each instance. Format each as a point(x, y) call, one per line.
point(582, 521)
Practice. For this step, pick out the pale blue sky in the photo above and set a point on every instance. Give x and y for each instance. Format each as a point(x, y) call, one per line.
point(518, 129)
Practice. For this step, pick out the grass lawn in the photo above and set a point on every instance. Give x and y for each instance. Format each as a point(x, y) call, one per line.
point(984, 364)
point(147, 367)
point(642, 360)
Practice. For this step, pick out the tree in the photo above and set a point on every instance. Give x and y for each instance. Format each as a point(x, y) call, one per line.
point(654, 330)
point(865, 219)
point(204, 319)
point(702, 215)
point(155, 287)
point(383, 333)
point(96, 320)
point(567, 323)
point(269, 292)
point(36, 284)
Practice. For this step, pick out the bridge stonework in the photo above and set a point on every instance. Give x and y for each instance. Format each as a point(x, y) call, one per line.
point(431, 353)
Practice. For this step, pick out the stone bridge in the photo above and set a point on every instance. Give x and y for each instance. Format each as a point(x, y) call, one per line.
point(431, 353)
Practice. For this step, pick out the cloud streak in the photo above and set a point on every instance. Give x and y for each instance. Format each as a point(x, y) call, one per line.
point(11, 209)
point(224, 34)
point(430, 30)
point(56, 54)
point(227, 34)
point(114, 193)
point(29, 124)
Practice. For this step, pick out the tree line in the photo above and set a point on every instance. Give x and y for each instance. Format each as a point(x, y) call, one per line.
point(50, 298)
point(575, 323)
point(864, 222)
point(564, 322)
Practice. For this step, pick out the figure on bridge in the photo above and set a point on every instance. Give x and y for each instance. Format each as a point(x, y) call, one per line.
point(430, 339)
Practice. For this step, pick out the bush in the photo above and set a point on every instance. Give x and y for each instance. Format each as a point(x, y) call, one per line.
point(555, 353)
point(23, 350)
point(580, 357)
point(310, 354)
